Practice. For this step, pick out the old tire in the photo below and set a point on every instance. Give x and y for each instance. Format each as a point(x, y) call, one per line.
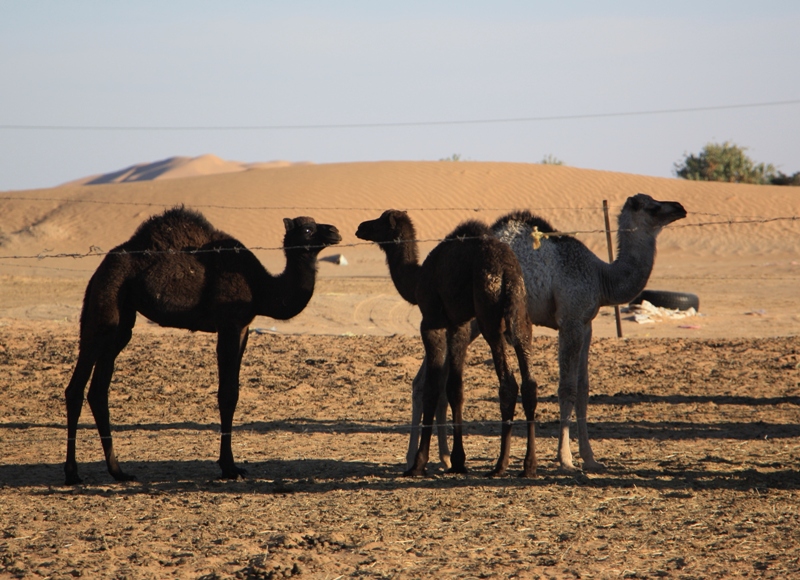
point(671, 300)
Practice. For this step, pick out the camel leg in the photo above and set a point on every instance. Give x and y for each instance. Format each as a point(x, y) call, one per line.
point(582, 407)
point(441, 409)
point(417, 392)
point(435, 342)
point(441, 421)
point(457, 343)
point(522, 346)
point(98, 392)
point(570, 346)
point(74, 399)
point(508, 391)
point(231, 343)
point(417, 387)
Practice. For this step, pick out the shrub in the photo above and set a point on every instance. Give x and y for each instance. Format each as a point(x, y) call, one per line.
point(551, 160)
point(724, 162)
point(781, 178)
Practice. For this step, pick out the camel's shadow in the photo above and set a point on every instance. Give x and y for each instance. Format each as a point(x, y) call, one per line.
point(645, 398)
point(319, 476)
point(661, 430)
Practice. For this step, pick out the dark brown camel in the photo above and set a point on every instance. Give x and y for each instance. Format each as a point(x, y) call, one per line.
point(470, 275)
point(398, 239)
point(179, 271)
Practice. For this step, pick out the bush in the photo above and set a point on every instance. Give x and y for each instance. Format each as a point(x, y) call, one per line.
point(551, 160)
point(782, 179)
point(724, 162)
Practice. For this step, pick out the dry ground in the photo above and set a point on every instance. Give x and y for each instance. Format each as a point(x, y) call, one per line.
point(701, 438)
point(697, 420)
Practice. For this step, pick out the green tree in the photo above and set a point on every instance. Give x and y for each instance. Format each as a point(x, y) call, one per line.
point(724, 162)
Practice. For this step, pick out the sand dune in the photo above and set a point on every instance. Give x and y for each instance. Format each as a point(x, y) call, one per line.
point(175, 168)
point(250, 205)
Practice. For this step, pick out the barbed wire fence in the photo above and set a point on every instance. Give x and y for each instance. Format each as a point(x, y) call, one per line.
point(87, 431)
point(96, 251)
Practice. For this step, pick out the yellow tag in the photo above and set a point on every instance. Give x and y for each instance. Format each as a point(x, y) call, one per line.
point(538, 237)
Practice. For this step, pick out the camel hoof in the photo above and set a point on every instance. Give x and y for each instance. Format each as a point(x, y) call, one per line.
point(446, 461)
point(496, 472)
point(528, 474)
point(123, 476)
point(233, 473)
point(568, 470)
point(72, 479)
point(414, 472)
point(457, 469)
point(594, 466)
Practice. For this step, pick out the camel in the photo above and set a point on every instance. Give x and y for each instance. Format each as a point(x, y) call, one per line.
point(566, 284)
point(179, 271)
point(470, 275)
point(395, 233)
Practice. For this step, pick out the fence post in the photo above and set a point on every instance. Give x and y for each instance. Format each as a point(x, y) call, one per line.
point(611, 259)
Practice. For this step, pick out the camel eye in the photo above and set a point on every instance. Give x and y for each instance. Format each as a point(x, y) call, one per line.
point(308, 230)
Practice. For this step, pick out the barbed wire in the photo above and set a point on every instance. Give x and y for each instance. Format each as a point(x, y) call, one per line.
point(342, 208)
point(732, 221)
point(286, 207)
point(715, 278)
point(386, 276)
point(40, 267)
point(95, 251)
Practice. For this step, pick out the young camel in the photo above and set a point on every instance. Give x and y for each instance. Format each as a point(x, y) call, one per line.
point(395, 234)
point(179, 271)
point(566, 285)
point(470, 275)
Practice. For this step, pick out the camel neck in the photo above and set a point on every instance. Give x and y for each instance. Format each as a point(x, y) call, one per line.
point(286, 295)
point(403, 261)
point(627, 276)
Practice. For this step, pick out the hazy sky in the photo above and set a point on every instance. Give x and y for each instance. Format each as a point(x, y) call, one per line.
point(258, 63)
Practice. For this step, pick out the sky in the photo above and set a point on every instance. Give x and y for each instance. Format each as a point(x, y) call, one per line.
point(90, 86)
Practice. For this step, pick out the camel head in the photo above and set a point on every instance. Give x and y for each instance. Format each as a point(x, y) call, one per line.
point(304, 232)
point(642, 212)
point(393, 225)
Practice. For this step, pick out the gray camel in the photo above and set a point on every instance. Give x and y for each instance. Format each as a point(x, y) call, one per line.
point(567, 284)
point(469, 276)
point(181, 272)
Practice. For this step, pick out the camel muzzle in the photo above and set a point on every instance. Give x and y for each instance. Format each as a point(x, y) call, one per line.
point(676, 212)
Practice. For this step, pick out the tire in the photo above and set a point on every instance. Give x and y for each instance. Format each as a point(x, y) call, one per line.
point(671, 300)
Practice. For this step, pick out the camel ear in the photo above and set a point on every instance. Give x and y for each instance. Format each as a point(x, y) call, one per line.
point(634, 202)
point(393, 219)
point(288, 224)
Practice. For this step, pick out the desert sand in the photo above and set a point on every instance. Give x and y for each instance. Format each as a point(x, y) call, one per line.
point(736, 250)
point(697, 419)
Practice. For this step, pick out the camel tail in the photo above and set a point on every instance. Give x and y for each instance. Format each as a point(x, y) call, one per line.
point(86, 297)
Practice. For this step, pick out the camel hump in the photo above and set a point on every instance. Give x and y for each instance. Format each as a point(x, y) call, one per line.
point(470, 229)
point(175, 228)
point(525, 217)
